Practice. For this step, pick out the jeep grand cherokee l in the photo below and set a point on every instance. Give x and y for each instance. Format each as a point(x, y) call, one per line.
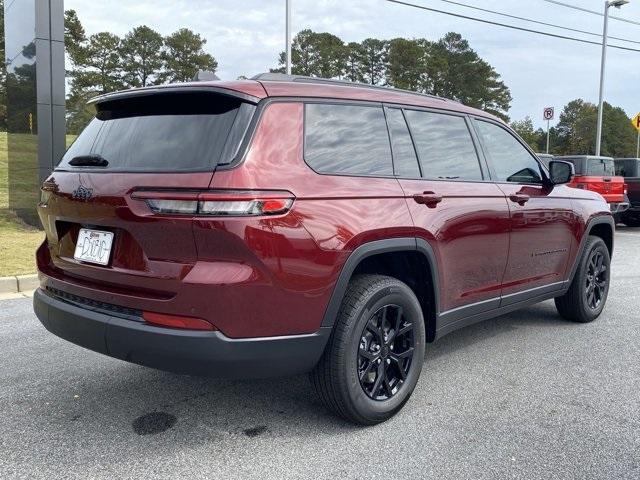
point(284, 225)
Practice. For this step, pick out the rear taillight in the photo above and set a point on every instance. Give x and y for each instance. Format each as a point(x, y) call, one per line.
point(176, 321)
point(626, 188)
point(583, 186)
point(236, 203)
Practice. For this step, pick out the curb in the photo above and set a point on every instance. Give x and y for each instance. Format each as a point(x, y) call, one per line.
point(19, 283)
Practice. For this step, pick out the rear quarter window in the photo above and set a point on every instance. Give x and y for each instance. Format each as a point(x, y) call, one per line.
point(347, 139)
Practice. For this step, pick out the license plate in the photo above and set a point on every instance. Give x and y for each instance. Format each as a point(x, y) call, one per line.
point(93, 246)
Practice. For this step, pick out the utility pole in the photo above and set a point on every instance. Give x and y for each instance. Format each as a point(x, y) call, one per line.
point(288, 34)
point(605, 32)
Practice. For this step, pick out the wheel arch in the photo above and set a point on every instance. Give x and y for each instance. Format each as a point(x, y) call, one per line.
point(409, 259)
point(605, 230)
point(602, 226)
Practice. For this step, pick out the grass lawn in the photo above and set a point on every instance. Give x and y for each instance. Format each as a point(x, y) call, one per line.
point(18, 241)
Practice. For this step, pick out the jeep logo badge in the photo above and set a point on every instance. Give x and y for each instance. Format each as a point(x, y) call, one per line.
point(82, 193)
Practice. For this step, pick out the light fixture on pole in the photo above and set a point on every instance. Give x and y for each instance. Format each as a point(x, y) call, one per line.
point(288, 34)
point(607, 5)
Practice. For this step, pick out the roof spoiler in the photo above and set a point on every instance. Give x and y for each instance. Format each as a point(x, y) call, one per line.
point(171, 89)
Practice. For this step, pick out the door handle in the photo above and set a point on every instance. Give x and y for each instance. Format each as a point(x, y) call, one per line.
point(519, 198)
point(430, 199)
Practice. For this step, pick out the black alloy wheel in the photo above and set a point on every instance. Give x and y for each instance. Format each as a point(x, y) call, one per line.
point(386, 352)
point(596, 280)
point(587, 294)
point(374, 357)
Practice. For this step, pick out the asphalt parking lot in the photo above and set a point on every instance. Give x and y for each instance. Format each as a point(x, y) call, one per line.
point(526, 395)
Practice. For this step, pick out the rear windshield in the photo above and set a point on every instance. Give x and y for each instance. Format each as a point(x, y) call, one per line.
point(601, 166)
point(163, 132)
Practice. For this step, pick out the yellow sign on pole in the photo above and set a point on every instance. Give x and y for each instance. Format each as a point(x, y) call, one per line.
point(31, 123)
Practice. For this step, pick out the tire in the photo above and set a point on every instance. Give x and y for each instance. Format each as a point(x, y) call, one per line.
point(586, 298)
point(346, 377)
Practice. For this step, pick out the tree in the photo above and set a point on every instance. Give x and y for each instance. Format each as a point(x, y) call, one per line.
point(618, 135)
point(141, 52)
point(21, 90)
point(353, 67)
point(405, 63)
point(100, 67)
point(577, 130)
point(448, 67)
point(79, 112)
point(75, 37)
point(96, 69)
point(331, 61)
point(184, 57)
point(554, 141)
point(462, 75)
point(316, 55)
point(525, 129)
point(103, 63)
point(303, 53)
point(374, 60)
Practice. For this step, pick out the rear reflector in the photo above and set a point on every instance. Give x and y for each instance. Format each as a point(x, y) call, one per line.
point(217, 203)
point(175, 321)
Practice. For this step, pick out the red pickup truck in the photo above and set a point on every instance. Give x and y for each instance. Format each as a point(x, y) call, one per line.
point(629, 168)
point(598, 174)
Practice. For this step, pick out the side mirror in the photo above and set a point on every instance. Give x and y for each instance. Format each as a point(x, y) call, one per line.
point(560, 172)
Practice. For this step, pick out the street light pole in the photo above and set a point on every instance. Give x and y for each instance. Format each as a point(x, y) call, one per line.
point(605, 32)
point(288, 33)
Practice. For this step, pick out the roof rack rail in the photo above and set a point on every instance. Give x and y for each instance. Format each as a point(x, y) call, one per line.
point(283, 77)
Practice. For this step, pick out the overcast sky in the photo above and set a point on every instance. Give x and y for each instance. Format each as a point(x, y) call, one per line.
point(246, 37)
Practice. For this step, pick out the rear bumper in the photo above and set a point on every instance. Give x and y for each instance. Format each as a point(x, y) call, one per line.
point(619, 207)
point(179, 351)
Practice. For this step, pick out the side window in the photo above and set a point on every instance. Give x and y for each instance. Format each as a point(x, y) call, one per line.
point(511, 161)
point(444, 146)
point(405, 161)
point(347, 139)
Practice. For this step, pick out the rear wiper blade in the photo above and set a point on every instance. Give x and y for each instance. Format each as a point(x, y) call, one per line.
point(92, 160)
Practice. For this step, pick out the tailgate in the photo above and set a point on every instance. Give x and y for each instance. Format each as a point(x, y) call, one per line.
point(611, 188)
point(167, 142)
point(148, 255)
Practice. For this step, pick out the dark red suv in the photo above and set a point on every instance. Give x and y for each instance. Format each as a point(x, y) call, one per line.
point(285, 225)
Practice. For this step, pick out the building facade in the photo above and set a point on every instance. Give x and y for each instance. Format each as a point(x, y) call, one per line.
point(35, 98)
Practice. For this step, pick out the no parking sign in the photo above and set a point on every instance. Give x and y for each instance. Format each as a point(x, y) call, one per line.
point(548, 113)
